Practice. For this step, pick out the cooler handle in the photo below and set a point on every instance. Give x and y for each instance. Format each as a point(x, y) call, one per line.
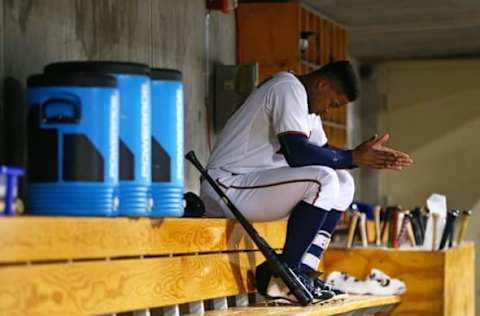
point(60, 118)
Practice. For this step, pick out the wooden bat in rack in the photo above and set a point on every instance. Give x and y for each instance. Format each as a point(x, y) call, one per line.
point(352, 227)
point(376, 216)
point(463, 225)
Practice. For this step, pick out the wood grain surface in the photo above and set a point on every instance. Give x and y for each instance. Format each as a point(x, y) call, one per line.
point(264, 31)
point(86, 288)
point(323, 42)
point(31, 238)
point(459, 283)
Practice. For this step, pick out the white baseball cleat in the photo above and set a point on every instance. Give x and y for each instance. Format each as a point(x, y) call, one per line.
point(387, 284)
point(376, 283)
point(347, 283)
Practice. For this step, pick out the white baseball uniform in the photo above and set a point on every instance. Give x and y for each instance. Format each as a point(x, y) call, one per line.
point(247, 163)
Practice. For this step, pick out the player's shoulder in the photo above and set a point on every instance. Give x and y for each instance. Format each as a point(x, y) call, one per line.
point(284, 81)
point(280, 85)
point(285, 77)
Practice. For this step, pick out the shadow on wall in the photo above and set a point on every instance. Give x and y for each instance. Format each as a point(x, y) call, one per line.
point(445, 148)
point(13, 129)
point(445, 113)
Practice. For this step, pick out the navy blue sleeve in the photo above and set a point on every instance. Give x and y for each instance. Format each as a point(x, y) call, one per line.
point(299, 152)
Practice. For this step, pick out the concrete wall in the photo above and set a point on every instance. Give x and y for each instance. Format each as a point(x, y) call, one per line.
point(354, 131)
point(370, 109)
point(167, 33)
point(423, 103)
point(431, 109)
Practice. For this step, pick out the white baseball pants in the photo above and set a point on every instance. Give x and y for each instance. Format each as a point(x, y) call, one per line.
point(270, 195)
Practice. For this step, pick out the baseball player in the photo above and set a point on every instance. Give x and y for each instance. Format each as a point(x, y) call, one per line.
point(274, 162)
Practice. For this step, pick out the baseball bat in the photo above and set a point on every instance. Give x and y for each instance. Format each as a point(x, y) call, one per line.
point(278, 267)
point(448, 230)
point(363, 229)
point(386, 224)
point(376, 216)
point(424, 218)
point(402, 235)
point(411, 236)
point(394, 228)
point(435, 220)
point(417, 227)
point(452, 231)
point(352, 227)
point(409, 227)
point(463, 225)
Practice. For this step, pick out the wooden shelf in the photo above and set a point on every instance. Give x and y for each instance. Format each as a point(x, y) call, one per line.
point(438, 282)
point(270, 33)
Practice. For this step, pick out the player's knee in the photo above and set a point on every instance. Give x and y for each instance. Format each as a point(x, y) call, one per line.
point(347, 184)
point(346, 190)
point(329, 182)
point(323, 187)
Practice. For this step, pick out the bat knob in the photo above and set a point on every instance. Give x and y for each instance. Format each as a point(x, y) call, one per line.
point(190, 155)
point(455, 212)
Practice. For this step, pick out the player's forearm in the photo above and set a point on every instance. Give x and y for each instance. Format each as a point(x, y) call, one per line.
point(332, 147)
point(299, 152)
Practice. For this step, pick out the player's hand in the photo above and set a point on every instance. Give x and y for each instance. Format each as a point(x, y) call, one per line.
point(374, 154)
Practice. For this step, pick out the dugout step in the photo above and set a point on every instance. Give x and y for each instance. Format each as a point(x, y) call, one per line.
point(353, 305)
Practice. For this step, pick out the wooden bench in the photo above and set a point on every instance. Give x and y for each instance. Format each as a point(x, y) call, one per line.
point(357, 305)
point(85, 266)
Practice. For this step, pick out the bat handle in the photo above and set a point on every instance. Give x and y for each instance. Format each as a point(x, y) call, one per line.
point(376, 216)
point(411, 235)
point(363, 229)
point(394, 229)
point(385, 231)
point(463, 227)
point(456, 213)
point(403, 228)
point(190, 156)
point(435, 220)
point(351, 229)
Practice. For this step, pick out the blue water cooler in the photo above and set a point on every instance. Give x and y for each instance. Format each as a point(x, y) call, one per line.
point(135, 144)
point(72, 144)
point(167, 143)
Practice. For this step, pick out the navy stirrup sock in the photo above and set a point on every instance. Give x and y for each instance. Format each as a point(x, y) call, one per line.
point(303, 225)
point(320, 243)
point(331, 221)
